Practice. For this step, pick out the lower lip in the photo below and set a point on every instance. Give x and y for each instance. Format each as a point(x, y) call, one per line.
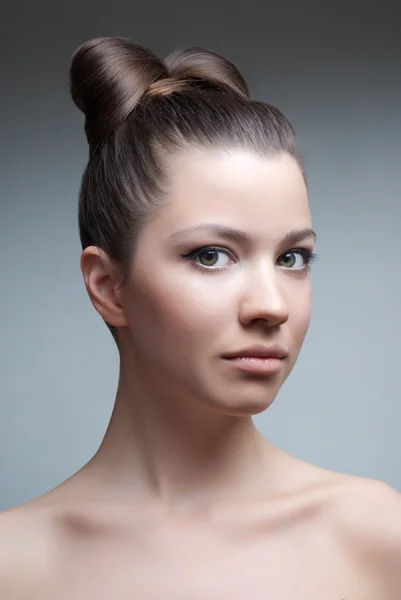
point(251, 364)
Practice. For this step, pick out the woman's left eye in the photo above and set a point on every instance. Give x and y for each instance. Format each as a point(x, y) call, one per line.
point(290, 259)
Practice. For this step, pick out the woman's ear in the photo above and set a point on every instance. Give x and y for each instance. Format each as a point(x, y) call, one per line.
point(101, 276)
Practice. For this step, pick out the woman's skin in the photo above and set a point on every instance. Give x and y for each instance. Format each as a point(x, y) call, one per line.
point(185, 499)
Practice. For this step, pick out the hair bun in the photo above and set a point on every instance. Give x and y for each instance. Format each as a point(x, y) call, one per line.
point(108, 76)
point(166, 86)
point(197, 63)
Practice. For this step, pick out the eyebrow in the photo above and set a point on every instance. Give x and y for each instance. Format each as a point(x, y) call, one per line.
point(292, 237)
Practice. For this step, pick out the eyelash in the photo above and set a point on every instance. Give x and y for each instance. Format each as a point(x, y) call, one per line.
point(309, 257)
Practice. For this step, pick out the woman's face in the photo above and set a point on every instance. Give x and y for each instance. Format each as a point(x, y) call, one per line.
point(198, 290)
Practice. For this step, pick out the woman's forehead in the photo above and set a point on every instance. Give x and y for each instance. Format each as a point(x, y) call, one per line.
point(235, 172)
point(238, 190)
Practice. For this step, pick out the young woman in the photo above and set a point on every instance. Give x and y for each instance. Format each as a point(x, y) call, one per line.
point(197, 247)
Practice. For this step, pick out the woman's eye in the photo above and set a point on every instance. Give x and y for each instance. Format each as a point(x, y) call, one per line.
point(209, 256)
point(296, 259)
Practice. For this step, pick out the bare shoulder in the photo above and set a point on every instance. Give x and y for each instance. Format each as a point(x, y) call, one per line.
point(370, 510)
point(26, 552)
point(366, 513)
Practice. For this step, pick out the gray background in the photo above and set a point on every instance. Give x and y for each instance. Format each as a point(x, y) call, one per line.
point(334, 68)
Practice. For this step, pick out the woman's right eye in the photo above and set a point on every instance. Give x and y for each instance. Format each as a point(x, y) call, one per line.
point(208, 257)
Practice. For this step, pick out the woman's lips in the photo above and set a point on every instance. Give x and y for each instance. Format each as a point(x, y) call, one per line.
point(267, 365)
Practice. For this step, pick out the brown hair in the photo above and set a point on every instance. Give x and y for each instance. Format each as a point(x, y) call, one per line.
point(140, 111)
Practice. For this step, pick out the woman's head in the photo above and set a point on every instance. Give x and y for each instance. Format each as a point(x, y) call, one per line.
point(178, 145)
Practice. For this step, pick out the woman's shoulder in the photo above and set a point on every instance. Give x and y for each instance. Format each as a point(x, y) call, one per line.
point(361, 506)
point(365, 508)
point(365, 514)
point(362, 516)
point(33, 539)
point(371, 510)
point(27, 551)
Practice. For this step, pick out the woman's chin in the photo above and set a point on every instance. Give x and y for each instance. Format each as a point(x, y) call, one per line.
point(243, 407)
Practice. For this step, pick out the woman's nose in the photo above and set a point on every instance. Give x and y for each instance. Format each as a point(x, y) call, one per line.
point(263, 299)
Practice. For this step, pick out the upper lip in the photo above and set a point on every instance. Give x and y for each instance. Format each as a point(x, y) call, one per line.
point(259, 350)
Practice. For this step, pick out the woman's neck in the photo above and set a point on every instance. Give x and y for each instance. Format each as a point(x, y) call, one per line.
point(179, 451)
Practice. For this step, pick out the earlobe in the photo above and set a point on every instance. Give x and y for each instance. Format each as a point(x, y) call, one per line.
point(101, 281)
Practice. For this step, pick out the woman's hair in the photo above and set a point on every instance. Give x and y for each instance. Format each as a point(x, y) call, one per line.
point(140, 113)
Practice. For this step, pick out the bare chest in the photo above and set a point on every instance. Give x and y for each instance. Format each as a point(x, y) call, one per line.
point(205, 564)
